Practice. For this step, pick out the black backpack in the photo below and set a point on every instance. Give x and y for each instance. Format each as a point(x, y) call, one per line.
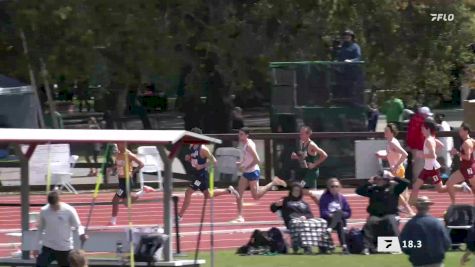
point(263, 242)
point(147, 248)
point(460, 215)
point(278, 244)
point(354, 241)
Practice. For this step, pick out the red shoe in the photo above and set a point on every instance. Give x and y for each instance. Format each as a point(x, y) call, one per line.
point(148, 189)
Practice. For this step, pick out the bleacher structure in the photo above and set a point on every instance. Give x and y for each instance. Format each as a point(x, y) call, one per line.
point(34, 137)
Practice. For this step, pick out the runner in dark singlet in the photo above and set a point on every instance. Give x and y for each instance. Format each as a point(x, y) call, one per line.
point(310, 157)
point(466, 172)
point(200, 158)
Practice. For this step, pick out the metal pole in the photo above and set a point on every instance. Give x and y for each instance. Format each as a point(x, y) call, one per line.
point(32, 78)
point(52, 105)
point(268, 159)
point(25, 197)
point(211, 214)
point(177, 228)
point(167, 202)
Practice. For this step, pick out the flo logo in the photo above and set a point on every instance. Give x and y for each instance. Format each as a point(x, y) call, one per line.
point(442, 17)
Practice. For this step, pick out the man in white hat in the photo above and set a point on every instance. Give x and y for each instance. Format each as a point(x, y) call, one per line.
point(424, 237)
point(415, 139)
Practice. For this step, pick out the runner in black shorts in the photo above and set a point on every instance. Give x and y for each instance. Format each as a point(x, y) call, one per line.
point(200, 158)
point(123, 168)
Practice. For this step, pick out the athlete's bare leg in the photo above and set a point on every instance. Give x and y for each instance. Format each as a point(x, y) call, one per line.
point(115, 206)
point(403, 201)
point(309, 193)
point(472, 183)
point(258, 192)
point(220, 192)
point(242, 186)
point(415, 191)
point(186, 202)
point(454, 179)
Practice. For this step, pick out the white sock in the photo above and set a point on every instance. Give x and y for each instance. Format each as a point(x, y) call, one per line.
point(139, 193)
point(113, 220)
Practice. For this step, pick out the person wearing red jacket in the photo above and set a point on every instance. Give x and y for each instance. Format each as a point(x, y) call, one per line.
point(415, 139)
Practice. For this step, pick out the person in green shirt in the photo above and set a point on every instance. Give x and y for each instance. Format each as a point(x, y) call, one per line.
point(393, 109)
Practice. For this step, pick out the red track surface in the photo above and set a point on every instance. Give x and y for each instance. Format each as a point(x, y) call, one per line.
point(255, 212)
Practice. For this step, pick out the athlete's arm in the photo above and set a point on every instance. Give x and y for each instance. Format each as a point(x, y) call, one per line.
point(398, 149)
point(322, 155)
point(135, 159)
point(205, 153)
point(431, 154)
point(438, 144)
point(279, 203)
point(467, 149)
point(255, 157)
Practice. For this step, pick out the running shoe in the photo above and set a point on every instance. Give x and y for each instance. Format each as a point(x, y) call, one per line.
point(279, 182)
point(233, 191)
point(239, 219)
point(466, 188)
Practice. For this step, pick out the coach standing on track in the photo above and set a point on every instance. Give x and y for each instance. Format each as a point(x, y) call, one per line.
point(55, 233)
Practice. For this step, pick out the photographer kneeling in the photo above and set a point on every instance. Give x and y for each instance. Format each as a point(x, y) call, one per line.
point(306, 231)
point(383, 192)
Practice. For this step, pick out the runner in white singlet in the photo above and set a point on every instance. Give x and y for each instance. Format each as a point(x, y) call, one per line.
point(249, 166)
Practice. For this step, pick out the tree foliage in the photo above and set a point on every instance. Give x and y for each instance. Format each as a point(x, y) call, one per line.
point(227, 45)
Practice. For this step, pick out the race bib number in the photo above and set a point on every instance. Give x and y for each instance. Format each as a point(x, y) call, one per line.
point(120, 192)
point(435, 178)
point(197, 183)
point(470, 171)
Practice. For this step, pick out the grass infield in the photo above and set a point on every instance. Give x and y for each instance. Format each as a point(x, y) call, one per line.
point(229, 259)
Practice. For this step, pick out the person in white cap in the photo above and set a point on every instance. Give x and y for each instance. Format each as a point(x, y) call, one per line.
point(424, 237)
point(415, 139)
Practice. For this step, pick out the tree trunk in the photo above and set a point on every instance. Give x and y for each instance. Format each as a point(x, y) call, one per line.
point(218, 106)
point(120, 104)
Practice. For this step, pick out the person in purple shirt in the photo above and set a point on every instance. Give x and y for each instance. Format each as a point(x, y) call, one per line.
point(334, 208)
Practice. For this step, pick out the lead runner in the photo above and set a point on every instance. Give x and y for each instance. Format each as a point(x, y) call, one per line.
point(466, 171)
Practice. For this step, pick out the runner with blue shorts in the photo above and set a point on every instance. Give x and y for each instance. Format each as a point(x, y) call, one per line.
point(249, 167)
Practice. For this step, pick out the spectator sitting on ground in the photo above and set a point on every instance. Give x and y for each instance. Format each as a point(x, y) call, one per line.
point(334, 208)
point(77, 258)
point(428, 236)
point(306, 231)
point(383, 192)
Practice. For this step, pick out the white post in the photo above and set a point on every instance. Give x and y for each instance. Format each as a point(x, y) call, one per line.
point(167, 203)
point(211, 213)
